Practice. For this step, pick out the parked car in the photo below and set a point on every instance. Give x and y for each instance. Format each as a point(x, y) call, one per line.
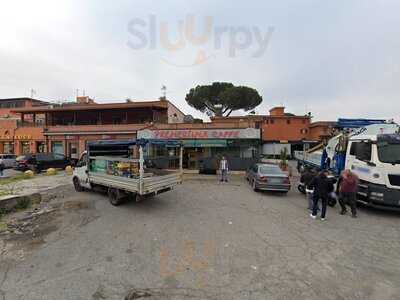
point(268, 177)
point(42, 161)
point(8, 160)
point(21, 163)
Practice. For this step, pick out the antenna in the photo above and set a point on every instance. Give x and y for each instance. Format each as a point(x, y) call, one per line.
point(164, 91)
point(33, 93)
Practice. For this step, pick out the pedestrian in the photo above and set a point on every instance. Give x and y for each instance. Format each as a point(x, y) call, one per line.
point(2, 167)
point(224, 167)
point(322, 186)
point(348, 192)
point(306, 178)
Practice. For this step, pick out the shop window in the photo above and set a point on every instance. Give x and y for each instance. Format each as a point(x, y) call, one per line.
point(40, 147)
point(57, 147)
point(8, 148)
point(25, 147)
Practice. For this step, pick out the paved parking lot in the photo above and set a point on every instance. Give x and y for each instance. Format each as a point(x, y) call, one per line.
point(204, 240)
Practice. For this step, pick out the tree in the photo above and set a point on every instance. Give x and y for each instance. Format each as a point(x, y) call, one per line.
point(222, 98)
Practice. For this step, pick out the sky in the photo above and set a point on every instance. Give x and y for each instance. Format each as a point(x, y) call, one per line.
point(334, 58)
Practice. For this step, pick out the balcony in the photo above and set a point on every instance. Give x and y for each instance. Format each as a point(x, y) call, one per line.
point(94, 129)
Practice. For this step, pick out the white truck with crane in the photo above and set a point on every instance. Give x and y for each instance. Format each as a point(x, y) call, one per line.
point(372, 152)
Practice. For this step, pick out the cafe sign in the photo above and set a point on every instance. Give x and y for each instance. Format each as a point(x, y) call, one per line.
point(16, 137)
point(182, 134)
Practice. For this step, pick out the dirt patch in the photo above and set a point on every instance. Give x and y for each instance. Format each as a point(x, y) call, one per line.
point(76, 205)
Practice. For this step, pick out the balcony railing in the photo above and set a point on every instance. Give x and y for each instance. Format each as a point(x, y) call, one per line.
point(30, 124)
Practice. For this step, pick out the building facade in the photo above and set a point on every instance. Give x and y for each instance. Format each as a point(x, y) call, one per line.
point(67, 128)
point(204, 144)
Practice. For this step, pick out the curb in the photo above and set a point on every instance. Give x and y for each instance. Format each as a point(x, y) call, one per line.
point(8, 203)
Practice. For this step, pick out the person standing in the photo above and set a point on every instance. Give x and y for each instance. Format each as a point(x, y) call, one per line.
point(1, 169)
point(348, 186)
point(322, 186)
point(223, 166)
point(306, 178)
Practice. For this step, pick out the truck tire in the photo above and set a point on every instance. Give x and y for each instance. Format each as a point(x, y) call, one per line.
point(114, 196)
point(77, 185)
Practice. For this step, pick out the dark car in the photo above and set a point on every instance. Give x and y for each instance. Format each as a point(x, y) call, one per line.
point(21, 163)
point(268, 177)
point(42, 161)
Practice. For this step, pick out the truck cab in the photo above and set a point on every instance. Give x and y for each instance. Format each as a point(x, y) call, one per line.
point(376, 161)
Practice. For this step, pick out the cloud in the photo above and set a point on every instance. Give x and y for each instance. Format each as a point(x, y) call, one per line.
point(336, 59)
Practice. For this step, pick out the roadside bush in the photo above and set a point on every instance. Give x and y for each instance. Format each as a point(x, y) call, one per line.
point(23, 203)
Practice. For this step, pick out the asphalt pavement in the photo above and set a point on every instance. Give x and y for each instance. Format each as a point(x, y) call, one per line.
point(204, 240)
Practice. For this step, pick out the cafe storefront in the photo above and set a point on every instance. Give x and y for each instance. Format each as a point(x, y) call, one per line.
point(203, 148)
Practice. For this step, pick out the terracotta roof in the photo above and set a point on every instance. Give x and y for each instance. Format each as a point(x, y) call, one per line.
point(80, 107)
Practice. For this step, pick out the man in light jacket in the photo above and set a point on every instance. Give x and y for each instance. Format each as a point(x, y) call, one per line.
point(224, 167)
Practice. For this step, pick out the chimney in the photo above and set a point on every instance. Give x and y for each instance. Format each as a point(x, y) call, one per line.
point(277, 111)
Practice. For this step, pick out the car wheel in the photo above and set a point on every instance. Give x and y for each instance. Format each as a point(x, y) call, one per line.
point(77, 185)
point(114, 197)
point(254, 186)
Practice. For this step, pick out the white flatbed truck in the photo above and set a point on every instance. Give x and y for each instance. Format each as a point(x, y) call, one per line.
point(100, 167)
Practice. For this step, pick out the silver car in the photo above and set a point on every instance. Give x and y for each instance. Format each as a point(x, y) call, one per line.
point(268, 177)
point(8, 160)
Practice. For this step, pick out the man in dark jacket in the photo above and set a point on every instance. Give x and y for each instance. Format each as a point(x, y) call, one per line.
point(306, 178)
point(1, 169)
point(322, 187)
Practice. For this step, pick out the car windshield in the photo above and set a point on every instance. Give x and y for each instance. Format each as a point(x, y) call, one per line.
point(389, 153)
point(270, 170)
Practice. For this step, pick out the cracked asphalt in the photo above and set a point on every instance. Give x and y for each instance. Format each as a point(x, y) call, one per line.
point(204, 240)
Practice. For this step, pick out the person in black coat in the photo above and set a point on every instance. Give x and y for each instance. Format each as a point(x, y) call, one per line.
point(322, 186)
point(1, 169)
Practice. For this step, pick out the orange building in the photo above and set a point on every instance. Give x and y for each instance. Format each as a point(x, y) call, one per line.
point(67, 128)
point(321, 131)
point(285, 127)
point(8, 105)
point(18, 135)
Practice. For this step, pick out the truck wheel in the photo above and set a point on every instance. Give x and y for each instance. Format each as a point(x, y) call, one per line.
point(77, 185)
point(114, 197)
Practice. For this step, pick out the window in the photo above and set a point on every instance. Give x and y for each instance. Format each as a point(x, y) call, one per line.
point(83, 161)
point(57, 147)
point(25, 147)
point(361, 150)
point(272, 121)
point(288, 121)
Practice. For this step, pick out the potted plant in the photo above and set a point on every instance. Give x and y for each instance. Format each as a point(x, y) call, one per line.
point(283, 164)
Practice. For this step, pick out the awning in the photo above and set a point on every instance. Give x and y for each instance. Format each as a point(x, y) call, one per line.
point(204, 143)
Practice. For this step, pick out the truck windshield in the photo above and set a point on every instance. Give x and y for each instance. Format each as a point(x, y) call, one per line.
point(389, 153)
